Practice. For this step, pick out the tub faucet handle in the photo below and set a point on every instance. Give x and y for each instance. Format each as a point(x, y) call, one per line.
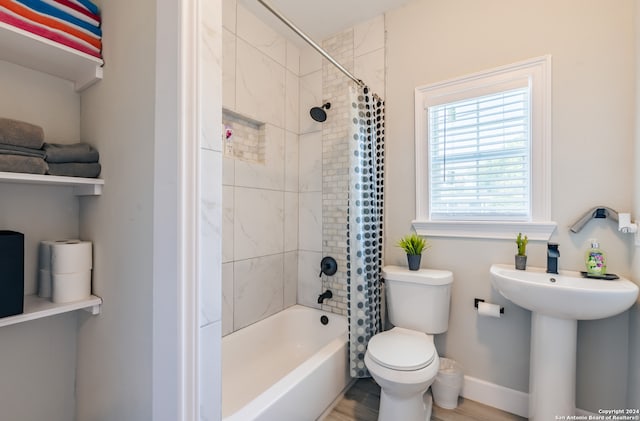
point(328, 266)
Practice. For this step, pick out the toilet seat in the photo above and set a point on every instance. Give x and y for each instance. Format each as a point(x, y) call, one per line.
point(402, 349)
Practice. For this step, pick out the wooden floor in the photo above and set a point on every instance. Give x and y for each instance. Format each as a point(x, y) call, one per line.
point(360, 403)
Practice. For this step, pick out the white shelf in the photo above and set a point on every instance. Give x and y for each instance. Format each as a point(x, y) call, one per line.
point(41, 54)
point(81, 186)
point(37, 308)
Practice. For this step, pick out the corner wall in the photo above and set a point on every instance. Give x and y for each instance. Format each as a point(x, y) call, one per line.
point(38, 363)
point(633, 391)
point(115, 350)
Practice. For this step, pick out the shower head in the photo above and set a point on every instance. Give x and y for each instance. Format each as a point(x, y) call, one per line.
point(318, 113)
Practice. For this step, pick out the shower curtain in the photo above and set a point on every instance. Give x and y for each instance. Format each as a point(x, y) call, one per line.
point(364, 226)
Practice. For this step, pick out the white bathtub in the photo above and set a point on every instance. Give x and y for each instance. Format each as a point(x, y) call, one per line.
point(286, 367)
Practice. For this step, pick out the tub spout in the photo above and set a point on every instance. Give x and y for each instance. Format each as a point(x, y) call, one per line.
point(324, 296)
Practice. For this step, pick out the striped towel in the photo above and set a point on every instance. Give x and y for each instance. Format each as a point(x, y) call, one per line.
point(88, 5)
point(58, 36)
point(75, 10)
point(61, 27)
point(43, 8)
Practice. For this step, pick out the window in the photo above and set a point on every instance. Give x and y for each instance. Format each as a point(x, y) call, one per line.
point(482, 145)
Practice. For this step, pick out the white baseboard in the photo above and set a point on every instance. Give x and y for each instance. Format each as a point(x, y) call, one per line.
point(497, 396)
point(509, 400)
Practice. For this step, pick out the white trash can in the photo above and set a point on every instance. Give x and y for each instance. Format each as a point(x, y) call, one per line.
point(447, 385)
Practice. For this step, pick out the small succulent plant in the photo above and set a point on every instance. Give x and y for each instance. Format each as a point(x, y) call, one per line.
point(413, 244)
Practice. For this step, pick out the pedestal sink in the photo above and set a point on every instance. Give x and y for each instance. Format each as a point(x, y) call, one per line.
point(557, 302)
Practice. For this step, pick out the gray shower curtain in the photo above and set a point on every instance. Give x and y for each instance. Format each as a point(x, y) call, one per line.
point(364, 226)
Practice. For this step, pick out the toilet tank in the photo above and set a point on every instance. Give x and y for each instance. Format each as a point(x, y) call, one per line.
point(418, 299)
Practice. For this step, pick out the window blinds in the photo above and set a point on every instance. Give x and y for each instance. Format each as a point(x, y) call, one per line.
point(479, 157)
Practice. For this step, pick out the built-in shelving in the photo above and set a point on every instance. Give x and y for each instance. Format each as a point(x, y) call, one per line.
point(37, 308)
point(38, 53)
point(81, 186)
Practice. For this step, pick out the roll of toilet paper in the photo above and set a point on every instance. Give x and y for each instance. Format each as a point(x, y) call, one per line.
point(44, 283)
point(488, 309)
point(44, 253)
point(71, 256)
point(67, 287)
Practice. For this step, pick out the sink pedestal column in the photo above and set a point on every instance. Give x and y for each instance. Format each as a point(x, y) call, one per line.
point(552, 373)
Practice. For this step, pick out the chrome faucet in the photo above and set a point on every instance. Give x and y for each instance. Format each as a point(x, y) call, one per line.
point(552, 257)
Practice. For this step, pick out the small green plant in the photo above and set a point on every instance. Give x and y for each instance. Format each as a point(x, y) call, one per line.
point(522, 244)
point(413, 244)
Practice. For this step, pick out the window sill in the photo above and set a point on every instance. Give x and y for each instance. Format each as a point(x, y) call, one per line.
point(535, 231)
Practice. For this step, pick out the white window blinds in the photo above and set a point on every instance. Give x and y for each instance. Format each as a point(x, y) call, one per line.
point(479, 157)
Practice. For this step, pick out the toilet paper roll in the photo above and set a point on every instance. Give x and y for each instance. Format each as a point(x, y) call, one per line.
point(488, 309)
point(69, 287)
point(44, 254)
point(71, 256)
point(44, 283)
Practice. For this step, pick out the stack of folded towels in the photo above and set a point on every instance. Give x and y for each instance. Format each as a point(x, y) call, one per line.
point(73, 23)
point(75, 160)
point(21, 147)
point(23, 150)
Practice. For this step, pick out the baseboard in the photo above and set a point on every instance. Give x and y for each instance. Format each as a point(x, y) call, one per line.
point(497, 396)
point(503, 398)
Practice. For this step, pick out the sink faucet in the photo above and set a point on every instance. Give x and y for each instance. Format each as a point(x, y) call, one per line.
point(552, 257)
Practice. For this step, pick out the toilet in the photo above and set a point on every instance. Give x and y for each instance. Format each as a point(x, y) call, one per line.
point(404, 361)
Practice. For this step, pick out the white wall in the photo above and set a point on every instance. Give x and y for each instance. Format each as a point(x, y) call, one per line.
point(592, 48)
point(633, 392)
point(114, 380)
point(38, 357)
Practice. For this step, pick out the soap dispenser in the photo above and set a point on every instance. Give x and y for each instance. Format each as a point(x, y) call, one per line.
point(595, 260)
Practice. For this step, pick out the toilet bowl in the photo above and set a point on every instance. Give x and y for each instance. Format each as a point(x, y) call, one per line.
point(404, 361)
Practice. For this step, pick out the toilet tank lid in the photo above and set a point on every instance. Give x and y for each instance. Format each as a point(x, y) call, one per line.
point(422, 276)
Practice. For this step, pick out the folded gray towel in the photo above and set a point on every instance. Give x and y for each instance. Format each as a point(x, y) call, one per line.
point(19, 150)
point(75, 169)
point(23, 164)
point(76, 152)
point(20, 133)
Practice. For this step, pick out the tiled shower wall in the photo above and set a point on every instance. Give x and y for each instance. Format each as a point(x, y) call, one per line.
point(324, 161)
point(283, 213)
point(260, 196)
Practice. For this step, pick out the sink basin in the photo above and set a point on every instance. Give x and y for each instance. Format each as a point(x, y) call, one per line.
point(567, 295)
point(557, 302)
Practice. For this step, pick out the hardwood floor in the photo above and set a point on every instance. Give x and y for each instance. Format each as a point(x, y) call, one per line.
point(360, 403)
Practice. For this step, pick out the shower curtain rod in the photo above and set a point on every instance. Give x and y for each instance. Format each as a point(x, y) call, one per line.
point(311, 42)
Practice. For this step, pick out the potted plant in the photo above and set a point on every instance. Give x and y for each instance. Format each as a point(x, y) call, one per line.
point(413, 245)
point(521, 257)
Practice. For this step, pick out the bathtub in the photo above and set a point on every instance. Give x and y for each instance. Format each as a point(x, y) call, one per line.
point(286, 367)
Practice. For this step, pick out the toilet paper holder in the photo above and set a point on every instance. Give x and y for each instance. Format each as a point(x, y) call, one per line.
point(478, 300)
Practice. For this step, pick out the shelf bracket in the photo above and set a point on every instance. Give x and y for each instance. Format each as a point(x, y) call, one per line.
point(94, 309)
point(88, 190)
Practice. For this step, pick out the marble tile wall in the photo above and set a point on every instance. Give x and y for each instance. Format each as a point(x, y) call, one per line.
point(323, 154)
point(310, 180)
point(260, 199)
point(280, 217)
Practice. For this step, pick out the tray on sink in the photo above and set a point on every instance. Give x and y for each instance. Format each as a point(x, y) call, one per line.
point(606, 276)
